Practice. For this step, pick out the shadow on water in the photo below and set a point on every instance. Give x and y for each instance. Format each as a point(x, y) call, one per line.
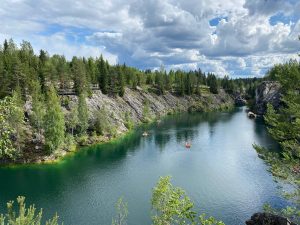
point(186, 125)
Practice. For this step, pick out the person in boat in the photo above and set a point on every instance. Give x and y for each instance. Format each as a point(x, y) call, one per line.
point(187, 145)
point(145, 134)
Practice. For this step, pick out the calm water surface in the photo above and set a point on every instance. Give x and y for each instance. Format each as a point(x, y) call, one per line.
point(221, 172)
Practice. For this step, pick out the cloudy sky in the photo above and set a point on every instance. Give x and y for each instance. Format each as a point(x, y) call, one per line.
point(235, 37)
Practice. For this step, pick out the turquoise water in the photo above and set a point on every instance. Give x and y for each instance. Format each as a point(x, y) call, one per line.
point(220, 172)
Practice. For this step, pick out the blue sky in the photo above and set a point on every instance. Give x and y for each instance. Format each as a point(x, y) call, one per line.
point(238, 38)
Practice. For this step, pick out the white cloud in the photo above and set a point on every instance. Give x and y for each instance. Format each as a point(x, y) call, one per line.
point(58, 44)
point(148, 33)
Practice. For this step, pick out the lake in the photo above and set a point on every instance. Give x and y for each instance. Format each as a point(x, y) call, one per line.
point(221, 172)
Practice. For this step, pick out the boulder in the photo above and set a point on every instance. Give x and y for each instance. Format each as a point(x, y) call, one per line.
point(268, 219)
point(267, 92)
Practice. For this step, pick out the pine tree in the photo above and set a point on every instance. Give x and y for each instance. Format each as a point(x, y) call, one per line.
point(121, 82)
point(79, 76)
point(103, 75)
point(72, 120)
point(41, 69)
point(38, 108)
point(54, 123)
point(7, 150)
point(24, 215)
point(285, 124)
point(212, 83)
point(16, 118)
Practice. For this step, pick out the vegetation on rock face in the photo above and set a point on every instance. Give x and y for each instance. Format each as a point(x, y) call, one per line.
point(284, 126)
point(83, 116)
point(54, 122)
point(7, 148)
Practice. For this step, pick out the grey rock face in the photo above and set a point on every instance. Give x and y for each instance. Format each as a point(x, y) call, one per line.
point(133, 103)
point(240, 101)
point(268, 219)
point(267, 92)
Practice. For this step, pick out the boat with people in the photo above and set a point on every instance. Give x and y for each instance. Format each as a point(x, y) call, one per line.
point(145, 134)
point(188, 145)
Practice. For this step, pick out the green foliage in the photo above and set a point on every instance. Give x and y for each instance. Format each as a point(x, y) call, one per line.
point(284, 126)
point(69, 143)
point(289, 212)
point(25, 216)
point(54, 123)
point(26, 76)
point(38, 108)
point(128, 122)
point(101, 122)
point(72, 119)
point(103, 75)
point(171, 205)
point(122, 213)
point(212, 83)
point(16, 118)
point(20, 67)
point(83, 139)
point(7, 150)
point(11, 126)
point(146, 112)
point(80, 77)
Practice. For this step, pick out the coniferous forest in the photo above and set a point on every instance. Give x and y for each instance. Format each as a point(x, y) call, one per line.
point(43, 81)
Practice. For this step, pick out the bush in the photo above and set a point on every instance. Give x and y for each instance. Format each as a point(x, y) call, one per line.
point(25, 216)
point(83, 140)
point(128, 121)
point(171, 205)
point(70, 143)
point(101, 123)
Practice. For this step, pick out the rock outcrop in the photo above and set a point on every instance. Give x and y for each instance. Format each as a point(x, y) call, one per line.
point(133, 103)
point(121, 113)
point(268, 219)
point(240, 101)
point(267, 92)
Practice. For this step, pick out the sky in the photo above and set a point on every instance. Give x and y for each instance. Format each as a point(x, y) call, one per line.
point(239, 38)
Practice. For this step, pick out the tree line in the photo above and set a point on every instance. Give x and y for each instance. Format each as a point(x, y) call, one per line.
point(21, 68)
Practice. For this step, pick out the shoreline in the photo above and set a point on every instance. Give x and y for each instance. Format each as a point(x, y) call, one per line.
point(59, 156)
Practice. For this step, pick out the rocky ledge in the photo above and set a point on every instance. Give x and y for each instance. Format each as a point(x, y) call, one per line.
point(268, 219)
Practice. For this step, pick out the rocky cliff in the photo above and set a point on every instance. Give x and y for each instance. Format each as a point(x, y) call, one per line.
point(267, 92)
point(133, 103)
point(268, 219)
point(118, 111)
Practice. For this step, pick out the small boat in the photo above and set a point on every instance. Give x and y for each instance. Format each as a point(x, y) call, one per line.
point(145, 134)
point(251, 115)
point(187, 145)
